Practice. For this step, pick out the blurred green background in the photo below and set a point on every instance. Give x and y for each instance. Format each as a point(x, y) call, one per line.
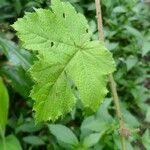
point(127, 32)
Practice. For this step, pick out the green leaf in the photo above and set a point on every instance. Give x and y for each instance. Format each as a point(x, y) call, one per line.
point(103, 114)
point(131, 62)
point(135, 33)
point(128, 117)
point(119, 9)
point(2, 2)
point(92, 139)
point(20, 80)
point(36, 30)
point(91, 123)
point(145, 139)
point(145, 48)
point(16, 55)
point(19, 60)
point(28, 127)
point(4, 105)
point(63, 134)
point(111, 45)
point(65, 52)
point(99, 123)
point(147, 118)
point(34, 140)
point(11, 143)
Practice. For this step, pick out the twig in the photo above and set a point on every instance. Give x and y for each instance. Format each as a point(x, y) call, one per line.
point(111, 79)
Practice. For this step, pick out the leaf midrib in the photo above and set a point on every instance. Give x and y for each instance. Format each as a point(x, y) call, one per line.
point(61, 74)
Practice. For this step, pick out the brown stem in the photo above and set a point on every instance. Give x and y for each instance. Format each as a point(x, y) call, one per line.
point(111, 79)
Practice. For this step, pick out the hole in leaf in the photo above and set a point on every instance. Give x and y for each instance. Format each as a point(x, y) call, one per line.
point(52, 44)
point(87, 30)
point(75, 88)
point(64, 15)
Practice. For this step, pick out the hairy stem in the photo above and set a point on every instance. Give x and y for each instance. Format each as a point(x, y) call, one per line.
point(111, 79)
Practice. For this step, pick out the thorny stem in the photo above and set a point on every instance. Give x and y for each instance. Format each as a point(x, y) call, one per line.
point(111, 79)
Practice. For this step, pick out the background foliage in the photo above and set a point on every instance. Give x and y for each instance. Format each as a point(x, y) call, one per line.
point(127, 31)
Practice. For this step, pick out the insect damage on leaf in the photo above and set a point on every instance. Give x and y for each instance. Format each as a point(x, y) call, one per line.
point(61, 36)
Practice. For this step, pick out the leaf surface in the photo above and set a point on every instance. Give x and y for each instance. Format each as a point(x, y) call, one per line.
point(92, 139)
point(4, 105)
point(63, 134)
point(62, 38)
point(33, 140)
point(11, 143)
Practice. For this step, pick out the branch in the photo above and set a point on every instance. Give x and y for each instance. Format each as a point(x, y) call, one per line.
point(111, 79)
